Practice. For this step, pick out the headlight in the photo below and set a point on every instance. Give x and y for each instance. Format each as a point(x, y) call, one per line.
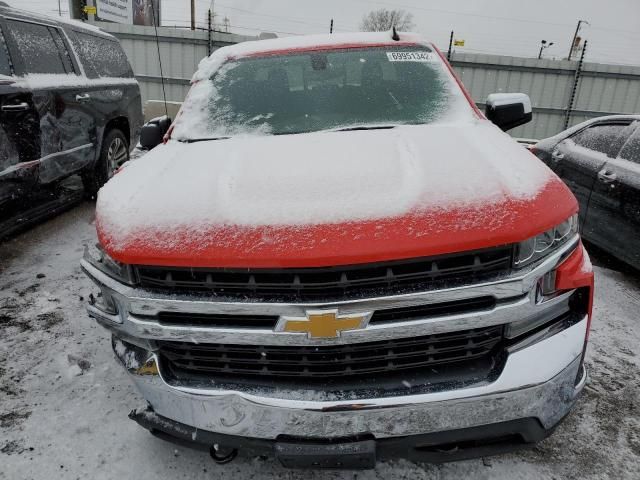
point(538, 247)
point(97, 257)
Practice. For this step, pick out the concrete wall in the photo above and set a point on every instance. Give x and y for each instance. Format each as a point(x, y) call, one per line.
point(602, 89)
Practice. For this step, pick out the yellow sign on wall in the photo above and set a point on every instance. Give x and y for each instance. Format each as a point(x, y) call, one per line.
point(89, 10)
point(458, 43)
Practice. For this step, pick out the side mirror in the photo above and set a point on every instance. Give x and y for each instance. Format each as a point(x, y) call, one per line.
point(153, 131)
point(508, 110)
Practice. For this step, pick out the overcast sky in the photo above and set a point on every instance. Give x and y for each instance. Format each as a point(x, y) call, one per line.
point(507, 27)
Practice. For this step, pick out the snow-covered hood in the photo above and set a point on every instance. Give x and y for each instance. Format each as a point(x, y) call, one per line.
point(329, 198)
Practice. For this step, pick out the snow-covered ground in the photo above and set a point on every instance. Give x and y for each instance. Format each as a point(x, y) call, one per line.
point(64, 400)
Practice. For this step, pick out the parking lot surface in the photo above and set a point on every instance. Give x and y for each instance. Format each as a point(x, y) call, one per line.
point(64, 399)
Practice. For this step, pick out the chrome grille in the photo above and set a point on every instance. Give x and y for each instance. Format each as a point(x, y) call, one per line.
point(327, 283)
point(184, 361)
point(389, 315)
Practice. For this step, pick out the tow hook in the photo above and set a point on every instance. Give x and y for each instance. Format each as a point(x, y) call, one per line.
point(221, 454)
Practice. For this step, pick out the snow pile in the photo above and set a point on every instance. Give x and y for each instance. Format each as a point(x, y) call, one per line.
point(319, 178)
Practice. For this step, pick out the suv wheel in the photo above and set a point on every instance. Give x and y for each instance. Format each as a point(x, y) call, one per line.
point(114, 152)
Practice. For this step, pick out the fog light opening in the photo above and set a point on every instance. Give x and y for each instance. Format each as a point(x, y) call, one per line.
point(104, 302)
point(546, 287)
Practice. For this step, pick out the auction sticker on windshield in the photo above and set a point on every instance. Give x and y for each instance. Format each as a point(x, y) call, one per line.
point(409, 56)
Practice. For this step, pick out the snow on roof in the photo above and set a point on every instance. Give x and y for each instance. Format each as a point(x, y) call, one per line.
point(83, 25)
point(210, 64)
point(28, 14)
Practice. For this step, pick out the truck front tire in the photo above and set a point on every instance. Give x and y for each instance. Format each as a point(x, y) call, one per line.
point(113, 153)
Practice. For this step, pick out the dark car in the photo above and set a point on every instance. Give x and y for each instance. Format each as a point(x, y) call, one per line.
point(69, 103)
point(600, 161)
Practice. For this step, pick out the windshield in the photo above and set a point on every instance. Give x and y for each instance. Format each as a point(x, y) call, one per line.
point(311, 91)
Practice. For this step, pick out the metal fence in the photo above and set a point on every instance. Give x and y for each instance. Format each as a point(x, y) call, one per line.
point(601, 89)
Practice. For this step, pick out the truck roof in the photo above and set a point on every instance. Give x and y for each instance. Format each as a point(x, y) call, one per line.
point(325, 41)
point(303, 43)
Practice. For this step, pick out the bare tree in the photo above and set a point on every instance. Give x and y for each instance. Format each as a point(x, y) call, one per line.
point(382, 20)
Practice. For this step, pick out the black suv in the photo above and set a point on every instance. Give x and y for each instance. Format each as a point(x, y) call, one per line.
point(600, 161)
point(69, 103)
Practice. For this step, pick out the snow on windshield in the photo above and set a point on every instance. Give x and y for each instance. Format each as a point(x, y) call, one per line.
point(320, 90)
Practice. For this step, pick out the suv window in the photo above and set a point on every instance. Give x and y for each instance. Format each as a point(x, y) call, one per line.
point(102, 57)
point(41, 47)
point(605, 139)
point(5, 66)
point(62, 49)
point(631, 150)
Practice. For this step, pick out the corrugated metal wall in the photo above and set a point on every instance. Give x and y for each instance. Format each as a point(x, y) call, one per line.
point(180, 50)
point(602, 89)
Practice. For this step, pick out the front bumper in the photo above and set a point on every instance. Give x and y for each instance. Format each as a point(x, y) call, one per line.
point(532, 390)
point(537, 382)
point(356, 452)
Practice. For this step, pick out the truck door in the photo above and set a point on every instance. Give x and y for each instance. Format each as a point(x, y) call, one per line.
point(614, 211)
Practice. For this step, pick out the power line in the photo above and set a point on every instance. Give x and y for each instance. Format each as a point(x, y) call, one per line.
point(479, 15)
point(458, 13)
point(202, 26)
point(278, 17)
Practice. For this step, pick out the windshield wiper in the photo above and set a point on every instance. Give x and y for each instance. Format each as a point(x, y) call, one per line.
point(364, 127)
point(193, 140)
point(297, 132)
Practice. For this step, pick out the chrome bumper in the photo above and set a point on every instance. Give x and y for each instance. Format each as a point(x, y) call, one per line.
point(537, 382)
point(515, 296)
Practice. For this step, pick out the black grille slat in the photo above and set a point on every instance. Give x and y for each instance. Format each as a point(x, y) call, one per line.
point(216, 320)
point(433, 310)
point(396, 346)
point(334, 361)
point(394, 358)
point(313, 360)
point(332, 282)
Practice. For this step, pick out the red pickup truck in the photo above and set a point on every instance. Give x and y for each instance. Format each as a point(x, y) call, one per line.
point(336, 258)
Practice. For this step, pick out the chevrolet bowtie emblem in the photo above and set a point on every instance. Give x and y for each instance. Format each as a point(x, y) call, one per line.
point(323, 323)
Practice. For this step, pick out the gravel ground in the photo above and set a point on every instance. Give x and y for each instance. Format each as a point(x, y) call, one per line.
point(64, 400)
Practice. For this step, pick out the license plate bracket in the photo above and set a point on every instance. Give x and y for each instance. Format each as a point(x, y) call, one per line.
point(347, 455)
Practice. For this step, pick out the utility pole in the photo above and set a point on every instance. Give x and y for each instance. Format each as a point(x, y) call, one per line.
point(575, 35)
point(90, 16)
point(574, 89)
point(450, 45)
point(331, 26)
point(209, 32)
point(59, 9)
point(193, 14)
